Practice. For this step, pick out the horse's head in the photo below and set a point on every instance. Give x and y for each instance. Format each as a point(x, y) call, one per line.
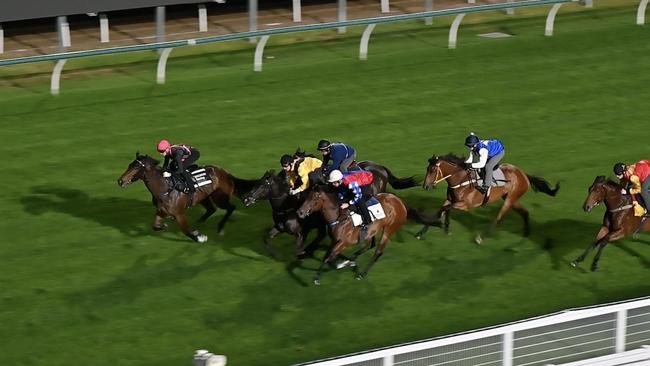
point(262, 189)
point(315, 202)
point(136, 169)
point(440, 168)
point(597, 193)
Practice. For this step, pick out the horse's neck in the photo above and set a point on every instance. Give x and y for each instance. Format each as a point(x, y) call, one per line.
point(456, 174)
point(614, 199)
point(154, 182)
point(330, 209)
point(279, 199)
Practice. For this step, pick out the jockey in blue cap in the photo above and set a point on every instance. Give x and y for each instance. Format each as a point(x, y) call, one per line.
point(341, 155)
point(489, 154)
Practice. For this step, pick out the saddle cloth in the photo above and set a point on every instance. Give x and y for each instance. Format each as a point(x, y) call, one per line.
point(498, 178)
point(200, 177)
point(375, 209)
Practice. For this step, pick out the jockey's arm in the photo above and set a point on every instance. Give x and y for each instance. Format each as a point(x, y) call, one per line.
point(470, 158)
point(178, 158)
point(166, 163)
point(356, 190)
point(482, 159)
point(307, 166)
point(636, 185)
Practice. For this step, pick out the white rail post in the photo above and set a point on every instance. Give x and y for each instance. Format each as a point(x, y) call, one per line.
point(589, 3)
point(506, 355)
point(428, 6)
point(252, 18)
point(2, 40)
point(63, 29)
point(510, 11)
point(621, 327)
point(453, 31)
point(389, 360)
point(259, 53)
point(160, 23)
point(640, 13)
point(550, 20)
point(385, 6)
point(203, 18)
point(104, 36)
point(162, 65)
point(297, 11)
point(365, 38)
point(471, 1)
point(56, 77)
point(342, 14)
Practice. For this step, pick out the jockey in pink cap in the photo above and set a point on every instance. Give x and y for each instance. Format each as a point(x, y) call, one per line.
point(181, 156)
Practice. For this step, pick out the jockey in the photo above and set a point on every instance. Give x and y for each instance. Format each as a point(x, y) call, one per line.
point(355, 187)
point(342, 156)
point(299, 167)
point(489, 153)
point(182, 156)
point(638, 176)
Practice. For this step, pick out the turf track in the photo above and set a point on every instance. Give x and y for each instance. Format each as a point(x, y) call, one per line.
point(83, 276)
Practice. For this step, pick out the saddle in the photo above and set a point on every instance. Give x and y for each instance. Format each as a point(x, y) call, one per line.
point(498, 177)
point(375, 209)
point(199, 179)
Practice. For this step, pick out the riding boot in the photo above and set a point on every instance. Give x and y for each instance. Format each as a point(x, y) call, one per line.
point(365, 220)
point(189, 184)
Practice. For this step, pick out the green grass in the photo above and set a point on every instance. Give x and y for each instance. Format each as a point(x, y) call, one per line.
point(84, 278)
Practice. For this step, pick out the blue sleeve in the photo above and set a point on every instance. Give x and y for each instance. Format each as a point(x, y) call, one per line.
point(354, 187)
point(337, 157)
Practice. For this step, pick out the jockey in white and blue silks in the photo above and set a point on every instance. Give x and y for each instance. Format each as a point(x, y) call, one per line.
point(489, 153)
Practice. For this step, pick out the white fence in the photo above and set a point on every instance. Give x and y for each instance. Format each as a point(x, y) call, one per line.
point(563, 337)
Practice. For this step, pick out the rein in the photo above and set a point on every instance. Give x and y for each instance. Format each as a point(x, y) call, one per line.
point(439, 174)
point(626, 207)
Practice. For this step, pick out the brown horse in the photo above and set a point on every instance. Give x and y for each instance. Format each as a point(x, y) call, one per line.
point(462, 194)
point(345, 234)
point(619, 220)
point(171, 203)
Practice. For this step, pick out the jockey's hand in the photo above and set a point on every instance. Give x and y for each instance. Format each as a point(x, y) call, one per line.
point(467, 166)
point(623, 191)
point(344, 206)
point(294, 192)
point(167, 174)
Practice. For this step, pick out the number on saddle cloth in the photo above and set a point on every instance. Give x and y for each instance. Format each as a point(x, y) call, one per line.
point(375, 209)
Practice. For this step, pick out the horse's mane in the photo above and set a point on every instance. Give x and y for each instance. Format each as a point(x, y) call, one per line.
point(601, 179)
point(453, 158)
point(302, 154)
point(146, 159)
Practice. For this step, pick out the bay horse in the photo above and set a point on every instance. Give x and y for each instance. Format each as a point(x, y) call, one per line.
point(619, 220)
point(171, 203)
point(345, 234)
point(275, 188)
point(382, 177)
point(462, 195)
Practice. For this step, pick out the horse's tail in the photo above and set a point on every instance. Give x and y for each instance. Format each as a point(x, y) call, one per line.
point(401, 183)
point(542, 185)
point(415, 215)
point(243, 186)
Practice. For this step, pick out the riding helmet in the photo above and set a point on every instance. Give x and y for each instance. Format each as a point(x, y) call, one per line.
point(471, 140)
point(286, 160)
point(619, 168)
point(163, 145)
point(323, 145)
point(335, 176)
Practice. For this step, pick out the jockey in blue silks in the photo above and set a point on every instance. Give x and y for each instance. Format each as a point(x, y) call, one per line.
point(489, 154)
point(342, 156)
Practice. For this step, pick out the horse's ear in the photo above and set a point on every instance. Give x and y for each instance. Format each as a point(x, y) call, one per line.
point(137, 154)
point(600, 179)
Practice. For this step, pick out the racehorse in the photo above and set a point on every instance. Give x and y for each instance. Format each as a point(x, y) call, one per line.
point(171, 203)
point(382, 176)
point(619, 220)
point(462, 195)
point(345, 234)
point(276, 189)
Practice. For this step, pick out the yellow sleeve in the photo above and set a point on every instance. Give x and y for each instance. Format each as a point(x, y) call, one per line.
point(291, 178)
point(307, 166)
point(636, 185)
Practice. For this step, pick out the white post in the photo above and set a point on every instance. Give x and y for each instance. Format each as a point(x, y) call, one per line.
point(471, 1)
point(506, 355)
point(2, 40)
point(640, 13)
point(56, 77)
point(160, 23)
point(428, 6)
point(259, 53)
point(63, 29)
point(589, 3)
point(104, 36)
point(385, 6)
point(389, 360)
point(203, 18)
point(162, 65)
point(297, 11)
point(252, 18)
point(510, 11)
point(342, 14)
point(365, 38)
point(453, 31)
point(621, 327)
point(550, 20)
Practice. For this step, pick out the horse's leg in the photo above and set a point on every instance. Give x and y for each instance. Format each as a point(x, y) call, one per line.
point(223, 201)
point(159, 221)
point(444, 210)
point(613, 236)
point(311, 248)
point(601, 234)
point(379, 251)
point(524, 215)
point(507, 204)
point(209, 209)
point(195, 235)
point(337, 248)
point(267, 241)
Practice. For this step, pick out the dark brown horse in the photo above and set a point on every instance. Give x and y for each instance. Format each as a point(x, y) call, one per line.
point(462, 194)
point(171, 203)
point(619, 220)
point(382, 177)
point(345, 234)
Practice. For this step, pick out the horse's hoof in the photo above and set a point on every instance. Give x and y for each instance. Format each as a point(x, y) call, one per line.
point(479, 239)
point(360, 276)
point(343, 264)
point(159, 228)
point(201, 238)
point(594, 268)
point(222, 233)
point(574, 264)
point(418, 236)
point(316, 282)
point(353, 264)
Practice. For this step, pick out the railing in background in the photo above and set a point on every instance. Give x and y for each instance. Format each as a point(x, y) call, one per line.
point(558, 338)
point(363, 47)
